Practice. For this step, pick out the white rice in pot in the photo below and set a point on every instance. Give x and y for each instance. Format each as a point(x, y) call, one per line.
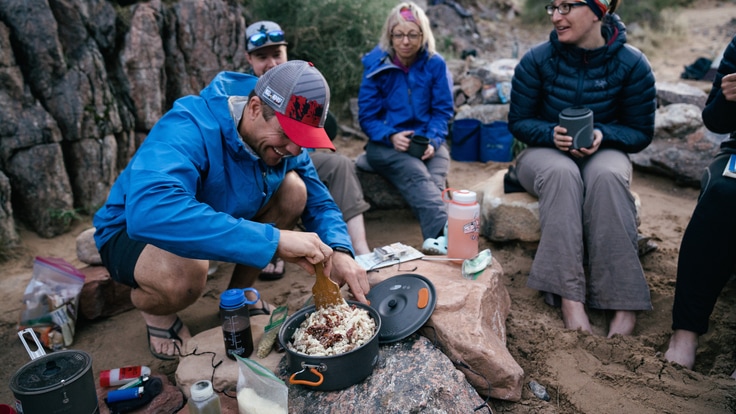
point(332, 331)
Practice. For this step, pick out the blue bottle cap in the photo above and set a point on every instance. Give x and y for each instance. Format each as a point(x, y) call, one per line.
point(235, 298)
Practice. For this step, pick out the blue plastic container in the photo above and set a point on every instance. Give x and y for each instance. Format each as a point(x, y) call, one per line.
point(465, 139)
point(496, 142)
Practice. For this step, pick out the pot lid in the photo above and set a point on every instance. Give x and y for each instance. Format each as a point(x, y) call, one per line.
point(405, 302)
point(51, 371)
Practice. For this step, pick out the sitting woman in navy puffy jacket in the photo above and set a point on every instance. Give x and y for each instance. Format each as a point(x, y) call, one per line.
point(407, 90)
point(587, 212)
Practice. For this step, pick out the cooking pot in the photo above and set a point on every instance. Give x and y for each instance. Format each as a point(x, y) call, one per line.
point(334, 372)
point(60, 382)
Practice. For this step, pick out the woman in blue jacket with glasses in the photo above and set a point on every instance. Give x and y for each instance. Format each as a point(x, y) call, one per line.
point(407, 90)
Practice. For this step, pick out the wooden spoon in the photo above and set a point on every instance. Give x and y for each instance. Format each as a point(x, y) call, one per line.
point(326, 292)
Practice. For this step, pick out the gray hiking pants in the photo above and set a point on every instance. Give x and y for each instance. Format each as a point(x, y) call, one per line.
point(586, 209)
point(420, 182)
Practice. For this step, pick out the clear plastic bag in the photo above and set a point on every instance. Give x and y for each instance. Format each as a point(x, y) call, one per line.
point(51, 301)
point(259, 390)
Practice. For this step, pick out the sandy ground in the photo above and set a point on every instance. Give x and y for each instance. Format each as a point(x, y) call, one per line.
point(583, 373)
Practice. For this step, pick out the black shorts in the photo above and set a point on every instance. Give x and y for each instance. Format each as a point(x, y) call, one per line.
point(120, 255)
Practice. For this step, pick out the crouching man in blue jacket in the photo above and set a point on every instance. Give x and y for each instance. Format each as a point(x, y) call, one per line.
point(222, 176)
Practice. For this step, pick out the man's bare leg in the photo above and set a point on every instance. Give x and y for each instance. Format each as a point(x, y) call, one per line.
point(682, 348)
point(167, 284)
point(574, 316)
point(623, 323)
point(356, 229)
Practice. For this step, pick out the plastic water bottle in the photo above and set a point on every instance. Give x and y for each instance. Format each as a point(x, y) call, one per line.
point(463, 223)
point(203, 399)
point(235, 320)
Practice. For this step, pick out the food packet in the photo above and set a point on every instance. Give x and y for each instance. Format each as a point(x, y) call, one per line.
point(259, 390)
point(51, 300)
point(271, 331)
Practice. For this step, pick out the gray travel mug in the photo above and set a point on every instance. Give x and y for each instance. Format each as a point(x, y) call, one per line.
point(579, 123)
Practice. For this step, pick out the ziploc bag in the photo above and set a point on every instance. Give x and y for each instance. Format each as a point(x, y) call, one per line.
point(51, 301)
point(259, 390)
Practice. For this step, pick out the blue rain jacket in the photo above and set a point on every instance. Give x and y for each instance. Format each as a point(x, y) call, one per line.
point(392, 101)
point(193, 185)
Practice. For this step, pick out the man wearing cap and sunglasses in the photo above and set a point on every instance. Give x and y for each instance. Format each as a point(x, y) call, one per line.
point(222, 176)
point(265, 49)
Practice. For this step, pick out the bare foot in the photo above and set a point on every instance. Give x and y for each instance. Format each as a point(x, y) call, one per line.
point(682, 347)
point(574, 316)
point(165, 346)
point(623, 323)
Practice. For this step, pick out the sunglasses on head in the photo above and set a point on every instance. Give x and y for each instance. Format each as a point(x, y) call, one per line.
point(260, 38)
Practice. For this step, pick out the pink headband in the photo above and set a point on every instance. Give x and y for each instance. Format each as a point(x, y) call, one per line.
point(408, 15)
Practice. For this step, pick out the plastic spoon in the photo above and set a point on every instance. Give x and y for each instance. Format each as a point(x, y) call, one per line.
point(326, 292)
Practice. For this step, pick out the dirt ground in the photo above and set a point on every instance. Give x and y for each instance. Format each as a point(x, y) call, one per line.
point(583, 373)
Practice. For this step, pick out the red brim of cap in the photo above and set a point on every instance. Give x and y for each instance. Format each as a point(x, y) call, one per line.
point(304, 135)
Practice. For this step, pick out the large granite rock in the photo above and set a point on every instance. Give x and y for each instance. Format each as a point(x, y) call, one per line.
point(411, 376)
point(469, 324)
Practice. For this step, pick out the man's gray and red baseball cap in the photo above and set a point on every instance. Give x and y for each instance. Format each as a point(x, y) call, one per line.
point(299, 94)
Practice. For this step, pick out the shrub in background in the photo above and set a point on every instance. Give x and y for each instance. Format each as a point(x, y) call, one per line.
point(332, 34)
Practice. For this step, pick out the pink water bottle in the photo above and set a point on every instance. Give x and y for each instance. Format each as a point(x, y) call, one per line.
point(463, 223)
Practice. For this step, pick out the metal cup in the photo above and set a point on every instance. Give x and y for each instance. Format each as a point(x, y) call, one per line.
point(417, 146)
point(579, 124)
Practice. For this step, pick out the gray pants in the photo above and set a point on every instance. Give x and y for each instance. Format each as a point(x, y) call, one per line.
point(420, 182)
point(338, 173)
point(585, 208)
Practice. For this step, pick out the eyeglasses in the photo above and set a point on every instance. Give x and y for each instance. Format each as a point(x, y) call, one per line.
point(563, 8)
point(413, 36)
point(260, 38)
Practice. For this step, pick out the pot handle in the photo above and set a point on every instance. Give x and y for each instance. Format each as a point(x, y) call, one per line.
point(39, 352)
point(313, 370)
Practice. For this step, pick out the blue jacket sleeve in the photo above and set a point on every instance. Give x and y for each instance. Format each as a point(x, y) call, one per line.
point(442, 105)
point(635, 105)
point(371, 110)
point(526, 97)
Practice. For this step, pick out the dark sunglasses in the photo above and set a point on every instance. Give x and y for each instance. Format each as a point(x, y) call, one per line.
point(260, 38)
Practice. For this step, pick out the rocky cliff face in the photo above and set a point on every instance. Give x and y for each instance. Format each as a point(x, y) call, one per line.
point(81, 84)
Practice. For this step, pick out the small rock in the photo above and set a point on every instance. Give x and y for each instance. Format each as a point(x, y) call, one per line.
point(539, 390)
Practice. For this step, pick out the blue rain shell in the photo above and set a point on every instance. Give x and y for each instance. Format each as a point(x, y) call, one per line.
point(392, 101)
point(193, 185)
point(615, 81)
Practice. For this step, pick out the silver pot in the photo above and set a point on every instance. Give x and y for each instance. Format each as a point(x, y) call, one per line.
point(60, 382)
